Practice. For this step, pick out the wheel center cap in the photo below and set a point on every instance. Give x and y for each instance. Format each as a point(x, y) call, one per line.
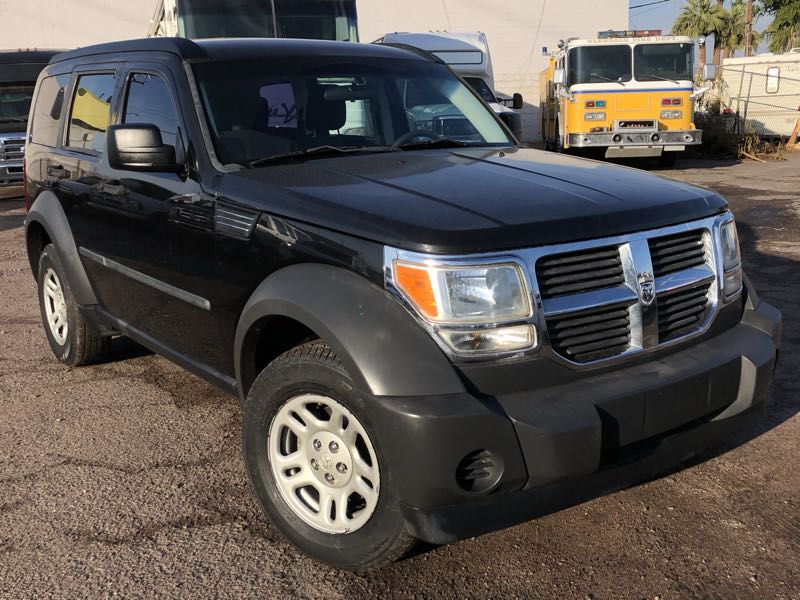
point(330, 460)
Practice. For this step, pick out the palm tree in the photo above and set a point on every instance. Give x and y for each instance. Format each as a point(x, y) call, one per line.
point(698, 18)
point(784, 31)
point(731, 36)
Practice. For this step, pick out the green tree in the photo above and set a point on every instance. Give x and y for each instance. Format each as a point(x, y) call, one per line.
point(731, 36)
point(698, 18)
point(784, 31)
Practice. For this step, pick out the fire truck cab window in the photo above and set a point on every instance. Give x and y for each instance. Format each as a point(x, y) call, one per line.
point(656, 62)
point(596, 64)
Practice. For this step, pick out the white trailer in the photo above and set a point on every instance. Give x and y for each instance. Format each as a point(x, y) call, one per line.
point(468, 55)
point(764, 91)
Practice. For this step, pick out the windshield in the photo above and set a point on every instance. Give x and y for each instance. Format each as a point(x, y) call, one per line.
point(307, 19)
point(15, 102)
point(663, 61)
point(483, 89)
point(258, 109)
point(595, 64)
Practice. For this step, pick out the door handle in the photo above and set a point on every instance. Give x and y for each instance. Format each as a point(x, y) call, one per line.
point(57, 172)
point(112, 190)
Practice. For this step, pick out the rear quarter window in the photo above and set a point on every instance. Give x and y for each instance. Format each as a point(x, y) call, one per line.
point(48, 109)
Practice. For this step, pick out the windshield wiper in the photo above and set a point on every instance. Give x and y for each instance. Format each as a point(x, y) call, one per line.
point(659, 77)
point(318, 152)
point(610, 80)
point(439, 143)
point(14, 120)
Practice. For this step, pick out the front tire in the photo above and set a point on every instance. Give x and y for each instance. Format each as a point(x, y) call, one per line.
point(315, 462)
point(71, 338)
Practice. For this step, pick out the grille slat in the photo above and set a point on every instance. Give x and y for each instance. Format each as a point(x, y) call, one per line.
point(583, 271)
point(682, 312)
point(677, 252)
point(600, 334)
point(580, 266)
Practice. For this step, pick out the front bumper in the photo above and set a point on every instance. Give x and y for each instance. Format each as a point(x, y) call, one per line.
point(559, 446)
point(636, 139)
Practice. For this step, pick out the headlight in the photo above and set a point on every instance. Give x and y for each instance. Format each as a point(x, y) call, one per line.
point(731, 259)
point(671, 114)
point(468, 305)
point(594, 116)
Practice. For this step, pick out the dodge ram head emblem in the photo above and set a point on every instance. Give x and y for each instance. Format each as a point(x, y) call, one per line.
point(647, 288)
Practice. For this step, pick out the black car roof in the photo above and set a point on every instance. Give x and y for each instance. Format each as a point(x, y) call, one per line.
point(27, 56)
point(241, 48)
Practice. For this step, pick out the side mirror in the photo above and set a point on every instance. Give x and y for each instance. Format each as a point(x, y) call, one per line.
point(709, 72)
point(139, 147)
point(518, 102)
point(559, 76)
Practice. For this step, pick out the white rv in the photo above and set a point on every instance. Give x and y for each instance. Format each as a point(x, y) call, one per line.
point(309, 19)
point(764, 91)
point(468, 55)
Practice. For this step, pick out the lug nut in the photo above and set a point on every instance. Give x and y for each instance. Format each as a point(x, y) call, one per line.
point(314, 464)
point(329, 478)
point(333, 447)
point(317, 445)
point(341, 467)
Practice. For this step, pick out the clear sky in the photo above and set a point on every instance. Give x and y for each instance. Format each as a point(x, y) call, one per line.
point(663, 15)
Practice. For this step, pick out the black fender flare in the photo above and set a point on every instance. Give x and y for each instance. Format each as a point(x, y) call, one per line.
point(47, 212)
point(386, 352)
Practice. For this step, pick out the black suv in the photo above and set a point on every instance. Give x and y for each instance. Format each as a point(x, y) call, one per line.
point(433, 332)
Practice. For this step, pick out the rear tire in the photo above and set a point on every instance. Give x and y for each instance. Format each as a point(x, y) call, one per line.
point(292, 415)
point(72, 340)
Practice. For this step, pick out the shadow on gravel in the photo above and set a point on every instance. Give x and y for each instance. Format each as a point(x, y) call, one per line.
point(10, 218)
point(682, 164)
point(124, 348)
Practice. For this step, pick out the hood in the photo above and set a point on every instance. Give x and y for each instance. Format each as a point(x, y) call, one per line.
point(470, 200)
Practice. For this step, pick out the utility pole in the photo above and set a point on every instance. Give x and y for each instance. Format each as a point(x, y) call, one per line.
point(717, 41)
point(748, 29)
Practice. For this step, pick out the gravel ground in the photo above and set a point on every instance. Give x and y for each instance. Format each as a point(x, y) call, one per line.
point(125, 479)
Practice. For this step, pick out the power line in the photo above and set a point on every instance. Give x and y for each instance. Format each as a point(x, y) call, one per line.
point(648, 4)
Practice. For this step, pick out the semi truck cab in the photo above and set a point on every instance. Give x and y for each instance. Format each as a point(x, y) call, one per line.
point(304, 19)
point(19, 70)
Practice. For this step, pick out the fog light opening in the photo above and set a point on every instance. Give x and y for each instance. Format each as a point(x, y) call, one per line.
point(479, 471)
point(617, 138)
point(655, 137)
point(688, 137)
point(587, 140)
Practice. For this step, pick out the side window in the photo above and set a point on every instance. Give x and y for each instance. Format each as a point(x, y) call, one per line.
point(48, 108)
point(773, 80)
point(91, 112)
point(148, 101)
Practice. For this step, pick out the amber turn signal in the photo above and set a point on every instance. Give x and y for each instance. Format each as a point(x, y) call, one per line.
point(415, 282)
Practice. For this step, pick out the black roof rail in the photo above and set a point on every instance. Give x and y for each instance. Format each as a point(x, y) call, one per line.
point(418, 51)
point(182, 47)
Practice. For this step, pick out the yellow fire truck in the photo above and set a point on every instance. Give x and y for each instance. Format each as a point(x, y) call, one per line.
point(626, 93)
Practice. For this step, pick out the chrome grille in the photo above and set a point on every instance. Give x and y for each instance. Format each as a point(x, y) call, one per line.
point(681, 312)
point(677, 252)
point(12, 149)
point(591, 336)
point(604, 300)
point(574, 272)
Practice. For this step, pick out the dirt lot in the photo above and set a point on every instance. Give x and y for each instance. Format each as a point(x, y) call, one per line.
point(126, 479)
